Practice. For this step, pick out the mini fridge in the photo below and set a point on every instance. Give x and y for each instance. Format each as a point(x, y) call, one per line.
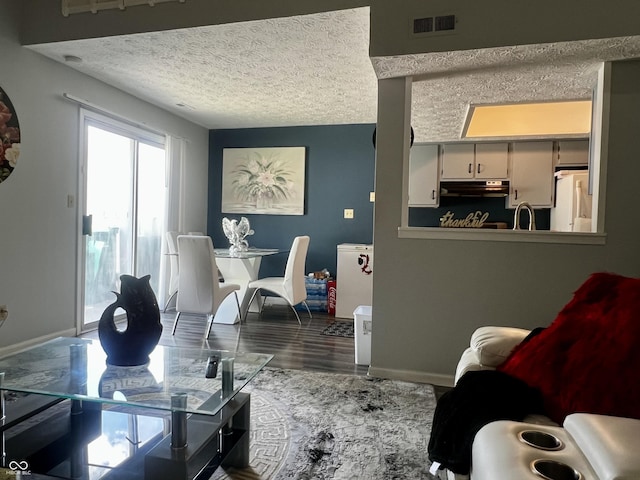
point(354, 278)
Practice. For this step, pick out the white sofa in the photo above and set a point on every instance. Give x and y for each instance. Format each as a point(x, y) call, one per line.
point(588, 446)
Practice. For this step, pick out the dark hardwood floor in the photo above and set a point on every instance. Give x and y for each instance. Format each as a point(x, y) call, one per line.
point(277, 332)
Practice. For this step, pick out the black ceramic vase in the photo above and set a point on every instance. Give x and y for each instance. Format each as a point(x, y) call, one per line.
point(133, 345)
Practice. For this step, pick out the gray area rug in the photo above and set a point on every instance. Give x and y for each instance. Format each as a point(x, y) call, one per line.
point(308, 425)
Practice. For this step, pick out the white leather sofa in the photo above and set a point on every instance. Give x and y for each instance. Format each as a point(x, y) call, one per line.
point(584, 447)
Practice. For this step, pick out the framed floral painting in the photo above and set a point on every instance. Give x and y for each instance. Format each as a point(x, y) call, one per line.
point(9, 137)
point(267, 180)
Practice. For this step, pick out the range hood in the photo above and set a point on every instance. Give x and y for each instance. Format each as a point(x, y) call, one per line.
point(489, 188)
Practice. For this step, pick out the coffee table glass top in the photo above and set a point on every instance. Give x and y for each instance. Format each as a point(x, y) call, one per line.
point(76, 368)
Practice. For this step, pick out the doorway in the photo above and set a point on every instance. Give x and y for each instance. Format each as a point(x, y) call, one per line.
point(125, 192)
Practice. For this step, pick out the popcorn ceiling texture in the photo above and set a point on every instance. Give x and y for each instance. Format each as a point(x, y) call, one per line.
point(315, 70)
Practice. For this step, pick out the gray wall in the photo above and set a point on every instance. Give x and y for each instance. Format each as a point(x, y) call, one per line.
point(429, 295)
point(39, 235)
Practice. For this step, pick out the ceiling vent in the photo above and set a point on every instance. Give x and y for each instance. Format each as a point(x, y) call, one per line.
point(440, 23)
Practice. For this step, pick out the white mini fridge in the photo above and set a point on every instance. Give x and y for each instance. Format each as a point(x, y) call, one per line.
point(354, 278)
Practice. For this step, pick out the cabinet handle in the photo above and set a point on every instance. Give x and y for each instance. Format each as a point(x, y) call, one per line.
point(470, 169)
point(516, 193)
point(479, 167)
point(433, 194)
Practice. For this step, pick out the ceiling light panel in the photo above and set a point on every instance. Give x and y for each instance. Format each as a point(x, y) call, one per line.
point(529, 119)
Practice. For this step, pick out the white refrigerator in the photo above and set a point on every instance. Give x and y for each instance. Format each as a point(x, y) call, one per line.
point(354, 278)
point(572, 211)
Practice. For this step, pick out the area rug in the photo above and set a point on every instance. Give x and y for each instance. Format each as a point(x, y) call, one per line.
point(307, 425)
point(339, 329)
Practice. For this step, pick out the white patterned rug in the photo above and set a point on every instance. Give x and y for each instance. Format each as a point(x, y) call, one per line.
point(321, 426)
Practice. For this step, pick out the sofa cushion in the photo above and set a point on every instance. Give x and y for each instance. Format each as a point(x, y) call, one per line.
point(494, 344)
point(469, 362)
point(587, 360)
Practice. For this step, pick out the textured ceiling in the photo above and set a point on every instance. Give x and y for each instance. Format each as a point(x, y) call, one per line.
point(315, 70)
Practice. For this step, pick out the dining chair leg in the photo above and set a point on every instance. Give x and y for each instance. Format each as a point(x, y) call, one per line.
point(238, 304)
point(297, 316)
point(307, 307)
point(246, 313)
point(175, 324)
point(209, 325)
point(166, 305)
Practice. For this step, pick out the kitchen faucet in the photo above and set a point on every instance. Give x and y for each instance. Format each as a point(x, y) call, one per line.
point(532, 216)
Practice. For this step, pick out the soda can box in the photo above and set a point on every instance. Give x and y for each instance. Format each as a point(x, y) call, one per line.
point(331, 297)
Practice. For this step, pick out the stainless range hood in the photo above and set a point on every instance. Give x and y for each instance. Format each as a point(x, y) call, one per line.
point(474, 189)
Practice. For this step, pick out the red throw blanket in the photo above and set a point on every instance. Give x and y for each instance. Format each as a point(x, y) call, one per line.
point(588, 359)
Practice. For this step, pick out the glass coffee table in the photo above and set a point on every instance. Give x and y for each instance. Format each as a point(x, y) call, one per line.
point(68, 414)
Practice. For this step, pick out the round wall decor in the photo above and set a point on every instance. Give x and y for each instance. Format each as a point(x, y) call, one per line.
point(9, 137)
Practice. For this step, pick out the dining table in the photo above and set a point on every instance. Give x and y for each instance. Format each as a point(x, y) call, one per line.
point(240, 268)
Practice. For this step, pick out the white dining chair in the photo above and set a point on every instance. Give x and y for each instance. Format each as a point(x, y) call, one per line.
point(292, 286)
point(172, 252)
point(199, 290)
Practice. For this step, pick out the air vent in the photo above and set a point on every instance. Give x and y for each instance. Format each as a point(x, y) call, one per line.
point(434, 24)
point(423, 25)
point(446, 22)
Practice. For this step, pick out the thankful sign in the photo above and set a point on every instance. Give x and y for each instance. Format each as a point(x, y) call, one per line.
point(473, 220)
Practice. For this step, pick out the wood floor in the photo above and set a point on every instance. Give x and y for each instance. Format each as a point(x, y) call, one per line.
point(277, 332)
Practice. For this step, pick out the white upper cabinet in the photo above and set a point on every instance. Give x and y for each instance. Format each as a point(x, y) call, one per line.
point(492, 161)
point(480, 161)
point(532, 174)
point(423, 176)
point(458, 161)
point(572, 153)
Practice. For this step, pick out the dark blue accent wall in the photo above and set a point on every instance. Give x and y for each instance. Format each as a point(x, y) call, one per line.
point(339, 174)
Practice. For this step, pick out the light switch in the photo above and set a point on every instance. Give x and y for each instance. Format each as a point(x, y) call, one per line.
point(348, 213)
point(372, 196)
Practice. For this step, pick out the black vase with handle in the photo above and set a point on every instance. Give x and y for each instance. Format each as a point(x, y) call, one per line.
point(133, 345)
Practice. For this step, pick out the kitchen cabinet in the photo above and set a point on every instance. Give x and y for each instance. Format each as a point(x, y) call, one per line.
point(572, 153)
point(492, 160)
point(532, 174)
point(480, 161)
point(458, 161)
point(423, 176)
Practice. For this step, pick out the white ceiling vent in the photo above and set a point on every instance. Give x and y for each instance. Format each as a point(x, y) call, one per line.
point(428, 25)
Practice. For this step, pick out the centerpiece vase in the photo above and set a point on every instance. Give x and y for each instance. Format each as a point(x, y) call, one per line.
point(133, 345)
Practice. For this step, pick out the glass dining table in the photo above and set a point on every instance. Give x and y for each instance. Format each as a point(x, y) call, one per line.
point(240, 268)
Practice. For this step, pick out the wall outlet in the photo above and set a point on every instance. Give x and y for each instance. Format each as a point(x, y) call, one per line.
point(348, 213)
point(4, 313)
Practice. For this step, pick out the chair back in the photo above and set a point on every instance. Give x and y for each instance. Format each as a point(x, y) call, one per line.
point(172, 251)
point(294, 271)
point(198, 285)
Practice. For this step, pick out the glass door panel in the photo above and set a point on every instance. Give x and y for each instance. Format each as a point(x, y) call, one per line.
point(126, 198)
point(151, 212)
point(109, 175)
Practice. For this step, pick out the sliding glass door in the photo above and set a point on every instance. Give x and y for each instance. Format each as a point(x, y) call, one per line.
point(125, 210)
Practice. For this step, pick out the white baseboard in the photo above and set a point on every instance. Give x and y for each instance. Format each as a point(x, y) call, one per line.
point(17, 347)
point(412, 376)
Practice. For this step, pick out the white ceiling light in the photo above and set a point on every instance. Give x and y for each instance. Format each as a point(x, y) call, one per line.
point(529, 119)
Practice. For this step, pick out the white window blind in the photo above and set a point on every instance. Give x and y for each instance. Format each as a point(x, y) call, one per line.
point(82, 6)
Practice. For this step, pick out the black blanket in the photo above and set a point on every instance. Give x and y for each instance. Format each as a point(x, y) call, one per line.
point(477, 399)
